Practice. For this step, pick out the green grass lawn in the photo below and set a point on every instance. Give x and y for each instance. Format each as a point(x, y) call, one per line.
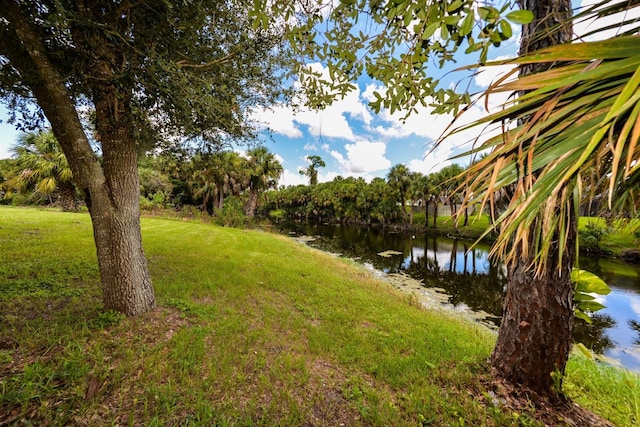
point(253, 329)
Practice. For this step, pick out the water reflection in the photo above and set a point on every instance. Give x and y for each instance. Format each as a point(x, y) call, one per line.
point(471, 280)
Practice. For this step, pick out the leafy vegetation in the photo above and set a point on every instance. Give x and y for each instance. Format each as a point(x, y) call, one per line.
point(253, 329)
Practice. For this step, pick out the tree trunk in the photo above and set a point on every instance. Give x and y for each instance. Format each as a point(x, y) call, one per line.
point(68, 197)
point(534, 338)
point(435, 213)
point(112, 192)
point(252, 204)
point(126, 282)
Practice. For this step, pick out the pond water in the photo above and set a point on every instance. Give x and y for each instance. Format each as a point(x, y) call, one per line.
point(472, 282)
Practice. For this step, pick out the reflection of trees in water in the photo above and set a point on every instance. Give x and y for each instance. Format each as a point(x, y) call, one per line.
point(635, 325)
point(478, 291)
point(444, 263)
point(593, 335)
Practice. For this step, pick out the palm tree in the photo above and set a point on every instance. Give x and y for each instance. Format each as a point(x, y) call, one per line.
point(311, 171)
point(449, 178)
point(40, 167)
point(263, 170)
point(423, 189)
point(225, 169)
point(399, 179)
point(579, 117)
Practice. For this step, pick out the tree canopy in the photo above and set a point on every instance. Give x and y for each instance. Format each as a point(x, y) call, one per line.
point(115, 77)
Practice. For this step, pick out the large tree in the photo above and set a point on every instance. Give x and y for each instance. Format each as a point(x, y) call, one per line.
point(534, 338)
point(534, 162)
point(576, 119)
point(182, 69)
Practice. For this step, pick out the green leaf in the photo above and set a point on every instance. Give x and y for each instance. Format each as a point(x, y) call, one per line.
point(505, 28)
point(454, 6)
point(582, 315)
point(430, 30)
point(467, 24)
point(591, 306)
point(521, 17)
point(589, 282)
point(484, 12)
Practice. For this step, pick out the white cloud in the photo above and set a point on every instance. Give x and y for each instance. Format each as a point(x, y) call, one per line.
point(279, 119)
point(331, 122)
point(292, 178)
point(488, 75)
point(310, 147)
point(362, 157)
point(583, 27)
point(635, 306)
point(433, 161)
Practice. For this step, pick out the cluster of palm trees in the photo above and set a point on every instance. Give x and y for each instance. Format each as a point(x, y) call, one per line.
point(383, 201)
point(40, 172)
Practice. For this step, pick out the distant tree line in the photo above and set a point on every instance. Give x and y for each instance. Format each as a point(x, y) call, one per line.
point(38, 173)
point(399, 199)
point(229, 185)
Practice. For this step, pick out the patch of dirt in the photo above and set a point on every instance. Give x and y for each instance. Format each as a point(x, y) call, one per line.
point(329, 406)
point(550, 410)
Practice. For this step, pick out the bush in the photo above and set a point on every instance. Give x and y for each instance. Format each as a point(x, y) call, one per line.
point(419, 218)
point(591, 237)
point(232, 213)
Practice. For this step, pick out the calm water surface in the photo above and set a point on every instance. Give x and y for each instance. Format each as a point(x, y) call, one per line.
point(472, 281)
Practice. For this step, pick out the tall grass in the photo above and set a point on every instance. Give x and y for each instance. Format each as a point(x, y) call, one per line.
point(254, 329)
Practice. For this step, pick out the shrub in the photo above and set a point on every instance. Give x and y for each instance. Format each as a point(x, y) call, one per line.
point(591, 237)
point(232, 213)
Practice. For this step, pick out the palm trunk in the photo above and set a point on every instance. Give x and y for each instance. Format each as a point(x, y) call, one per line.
point(252, 204)
point(534, 338)
point(68, 197)
point(435, 213)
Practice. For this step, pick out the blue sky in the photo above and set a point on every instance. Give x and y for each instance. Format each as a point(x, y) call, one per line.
point(350, 138)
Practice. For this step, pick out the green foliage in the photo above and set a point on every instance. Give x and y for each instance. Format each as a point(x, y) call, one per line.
point(200, 65)
point(586, 284)
point(591, 236)
point(39, 170)
point(419, 219)
point(232, 213)
point(311, 171)
point(400, 43)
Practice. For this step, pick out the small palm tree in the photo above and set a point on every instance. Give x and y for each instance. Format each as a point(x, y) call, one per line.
point(264, 170)
point(399, 179)
point(41, 168)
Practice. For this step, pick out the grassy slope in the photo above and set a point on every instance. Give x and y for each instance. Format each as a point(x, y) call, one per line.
point(254, 329)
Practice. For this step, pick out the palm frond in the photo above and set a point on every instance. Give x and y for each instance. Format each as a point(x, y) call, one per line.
point(570, 119)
